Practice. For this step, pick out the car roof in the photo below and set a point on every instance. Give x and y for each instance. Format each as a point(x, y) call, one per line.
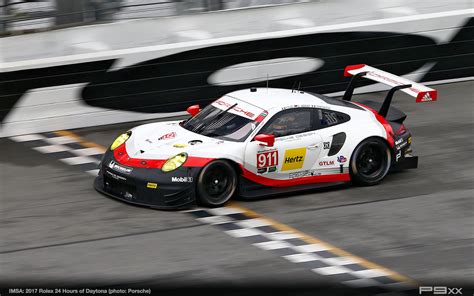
point(269, 98)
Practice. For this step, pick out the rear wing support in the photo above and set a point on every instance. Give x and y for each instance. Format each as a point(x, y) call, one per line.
point(388, 99)
point(350, 88)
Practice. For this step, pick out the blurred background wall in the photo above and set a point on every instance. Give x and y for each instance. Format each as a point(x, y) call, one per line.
point(67, 64)
point(30, 15)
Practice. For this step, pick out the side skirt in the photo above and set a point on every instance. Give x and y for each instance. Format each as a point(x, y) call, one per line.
point(250, 190)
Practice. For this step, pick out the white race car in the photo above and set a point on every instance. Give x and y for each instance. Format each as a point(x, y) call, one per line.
point(262, 141)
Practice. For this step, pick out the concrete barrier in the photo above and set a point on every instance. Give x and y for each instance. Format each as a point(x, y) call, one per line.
point(96, 83)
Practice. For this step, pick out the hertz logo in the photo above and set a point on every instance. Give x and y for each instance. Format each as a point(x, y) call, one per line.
point(294, 159)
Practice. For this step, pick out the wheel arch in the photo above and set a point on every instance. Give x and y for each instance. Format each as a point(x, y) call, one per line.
point(387, 145)
point(374, 136)
point(237, 167)
point(233, 165)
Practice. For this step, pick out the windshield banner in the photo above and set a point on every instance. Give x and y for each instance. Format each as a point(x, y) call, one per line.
point(242, 109)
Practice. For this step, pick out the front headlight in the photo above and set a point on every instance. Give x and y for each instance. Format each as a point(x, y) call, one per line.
point(174, 162)
point(120, 140)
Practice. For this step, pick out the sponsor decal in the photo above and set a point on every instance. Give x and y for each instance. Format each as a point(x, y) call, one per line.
point(236, 108)
point(182, 179)
point(305, 173)
point(304, 135)
point(167, 136)
point(426, 98)
point(397, 157)
point(267, 159)
point(341, 159)
point(305, 106)
point(295, 137)
point(326, 145)
point(151, 185)
point(115, 176)
point(326, 162)
point(149, 141)
point(400, 143)
point(293, 159)
point(177, 145)
point(267, 170)
point(261, 117)
point(121, 169)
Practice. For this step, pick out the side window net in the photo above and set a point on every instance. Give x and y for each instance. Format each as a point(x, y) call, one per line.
point(328, 118)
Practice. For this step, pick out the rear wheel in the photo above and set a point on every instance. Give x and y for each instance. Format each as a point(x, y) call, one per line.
point(370, 162)
point(217, 183)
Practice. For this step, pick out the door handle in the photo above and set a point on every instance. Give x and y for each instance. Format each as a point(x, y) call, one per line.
point(313, 146)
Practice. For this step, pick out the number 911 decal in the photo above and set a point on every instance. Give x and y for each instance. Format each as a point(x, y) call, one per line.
point(267, 161)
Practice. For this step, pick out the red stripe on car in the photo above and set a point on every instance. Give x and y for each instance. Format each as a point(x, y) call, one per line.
point(292, 182)
point(383, 122)
point(122, 157)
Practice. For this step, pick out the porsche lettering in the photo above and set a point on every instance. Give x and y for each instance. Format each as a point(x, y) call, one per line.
point(236, 108)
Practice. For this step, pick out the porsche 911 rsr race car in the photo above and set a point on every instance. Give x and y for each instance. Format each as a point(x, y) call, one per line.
point(262, 141)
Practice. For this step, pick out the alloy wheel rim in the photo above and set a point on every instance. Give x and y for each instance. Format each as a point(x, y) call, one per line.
point(216, 184)
point(371, 161)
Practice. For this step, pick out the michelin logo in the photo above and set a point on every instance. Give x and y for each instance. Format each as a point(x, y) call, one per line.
point(182, 179)
point(114, 166)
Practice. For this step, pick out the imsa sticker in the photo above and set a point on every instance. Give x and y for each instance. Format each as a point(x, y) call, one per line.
point(293, 159)
point(151, 185)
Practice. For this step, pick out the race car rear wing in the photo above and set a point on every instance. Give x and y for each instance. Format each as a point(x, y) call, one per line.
point(416, 90)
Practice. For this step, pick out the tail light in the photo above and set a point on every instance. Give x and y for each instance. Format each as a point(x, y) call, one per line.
point(401, 130)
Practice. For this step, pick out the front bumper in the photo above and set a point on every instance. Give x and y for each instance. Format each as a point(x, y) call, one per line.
point(147, 187)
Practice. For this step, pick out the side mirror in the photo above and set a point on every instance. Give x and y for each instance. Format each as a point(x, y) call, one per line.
point(266, 139)
point(193, 110)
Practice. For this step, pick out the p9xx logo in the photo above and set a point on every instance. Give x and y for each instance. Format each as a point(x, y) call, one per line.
point(439, 290)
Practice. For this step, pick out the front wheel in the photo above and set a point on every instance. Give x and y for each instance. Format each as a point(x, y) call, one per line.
point(370, 162)
point(217, 183)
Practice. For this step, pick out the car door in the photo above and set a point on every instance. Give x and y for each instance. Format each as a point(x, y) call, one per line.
point(294, 152)
point(329, 126)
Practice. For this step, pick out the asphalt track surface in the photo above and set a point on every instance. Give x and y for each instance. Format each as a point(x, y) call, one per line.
point(55, 228)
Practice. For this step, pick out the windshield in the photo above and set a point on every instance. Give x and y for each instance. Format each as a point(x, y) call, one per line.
point(222, 120)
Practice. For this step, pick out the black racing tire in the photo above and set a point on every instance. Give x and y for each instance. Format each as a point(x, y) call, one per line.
point(217, 183)
point(370, 162)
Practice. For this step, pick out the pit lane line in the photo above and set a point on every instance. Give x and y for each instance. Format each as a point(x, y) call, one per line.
point(320, 257)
